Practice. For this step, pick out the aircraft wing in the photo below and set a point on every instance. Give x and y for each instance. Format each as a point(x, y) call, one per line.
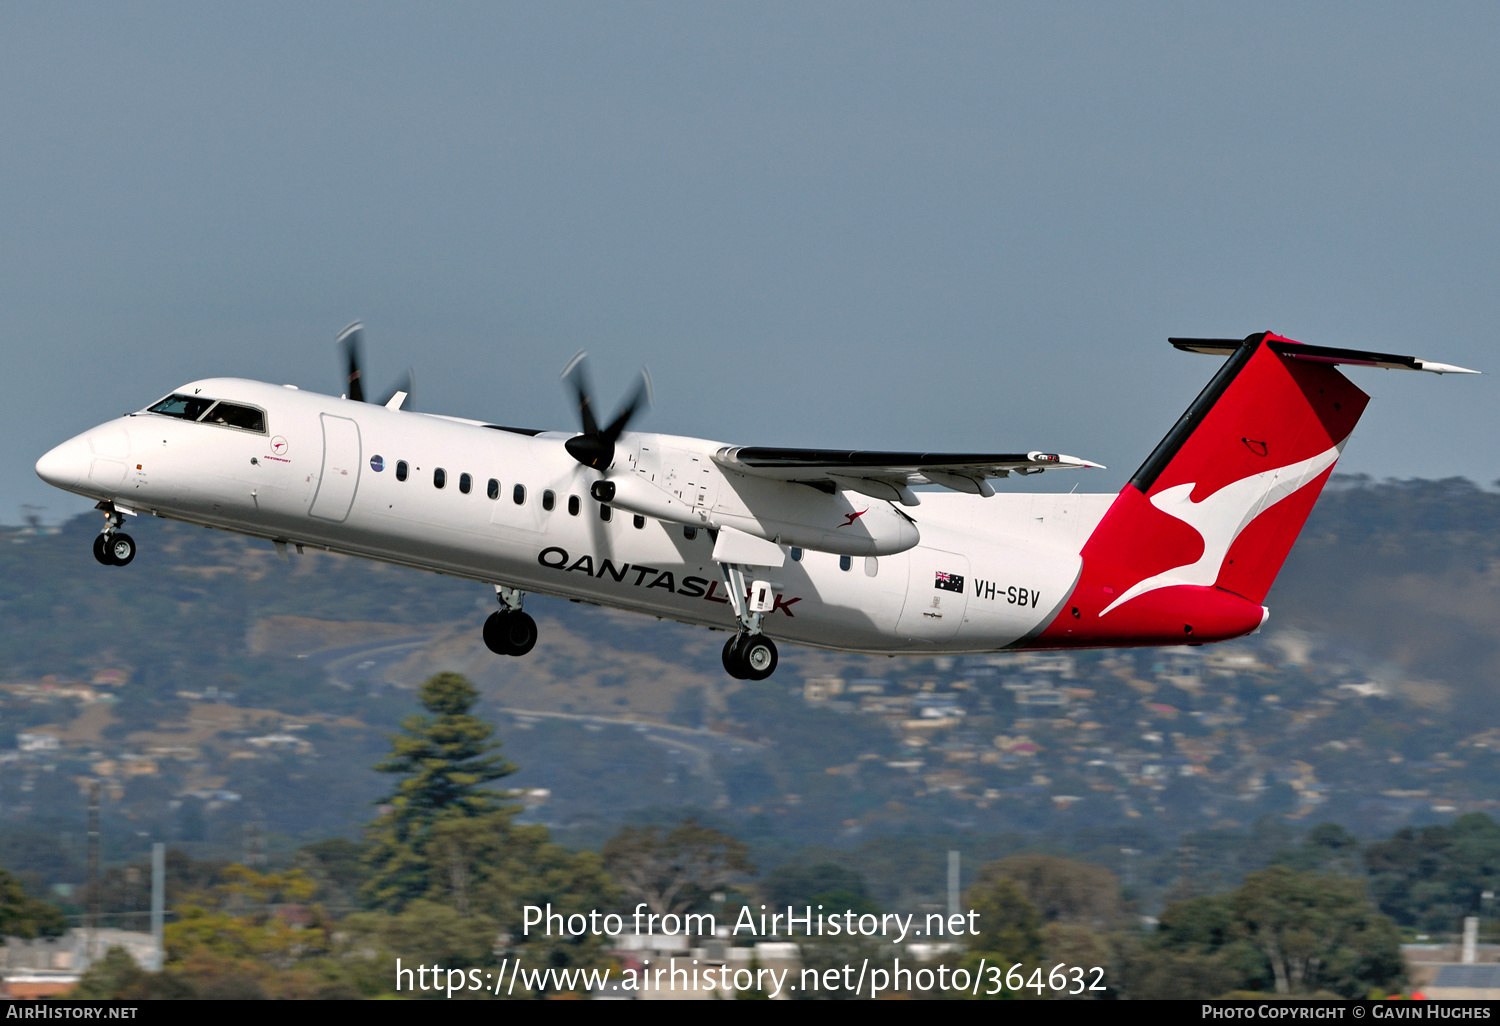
point(889, 475)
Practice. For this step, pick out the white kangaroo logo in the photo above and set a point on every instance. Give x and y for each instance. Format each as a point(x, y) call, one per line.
point(1220, 517)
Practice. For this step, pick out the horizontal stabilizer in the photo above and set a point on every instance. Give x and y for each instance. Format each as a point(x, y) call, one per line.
point(1318, 354)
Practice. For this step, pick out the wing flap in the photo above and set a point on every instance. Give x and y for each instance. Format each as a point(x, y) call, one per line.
point(966, 472)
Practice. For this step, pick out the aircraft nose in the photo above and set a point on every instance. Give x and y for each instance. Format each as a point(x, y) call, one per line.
point(66, 465)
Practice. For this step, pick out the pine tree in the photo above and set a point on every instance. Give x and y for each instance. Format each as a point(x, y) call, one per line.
point(445, 759)
point(21, 915)
point(450, 872)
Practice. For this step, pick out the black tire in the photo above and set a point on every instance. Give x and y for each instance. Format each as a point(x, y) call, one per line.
point(497, 633)
point(509, 633)
point(522, 633)
point(121, 549)
point(757, 653)
point(100, 552)
point(732, 665)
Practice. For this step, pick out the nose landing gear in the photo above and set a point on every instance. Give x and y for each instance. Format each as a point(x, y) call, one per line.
point(509, 631)
point(113, 547)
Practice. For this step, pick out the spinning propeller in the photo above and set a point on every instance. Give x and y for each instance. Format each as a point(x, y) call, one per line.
point(352, 341)
point(596, 446)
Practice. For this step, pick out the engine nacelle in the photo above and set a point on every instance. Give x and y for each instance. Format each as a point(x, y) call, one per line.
point(635, 494)
point(869, 527)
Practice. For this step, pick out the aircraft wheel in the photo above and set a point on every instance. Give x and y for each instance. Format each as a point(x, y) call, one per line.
point(509, 633)
point(101, 552)
point(732, 663)
point(496, 634)
point(522, 633)
point(758, 656)
point(120, 549)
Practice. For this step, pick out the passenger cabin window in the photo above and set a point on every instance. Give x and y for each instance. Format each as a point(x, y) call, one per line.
point(518, 495)
point(872, 566)
point(246, 418)
point(439, 477)
point(845, 562)
point(465, 482)
point(493, 491)
point(183, 407)
point(689, 532)
point(572, 505)
point(400, 470)
point(604, 512)
point(640, 522)
point(796, 554)
point(549, 500)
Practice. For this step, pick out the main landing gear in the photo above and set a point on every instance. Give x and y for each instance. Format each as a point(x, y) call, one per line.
point(508, 631)
point(749, 655)
point(113, 547)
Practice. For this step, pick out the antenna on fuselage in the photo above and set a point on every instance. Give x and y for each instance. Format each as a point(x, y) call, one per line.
point(352, 343)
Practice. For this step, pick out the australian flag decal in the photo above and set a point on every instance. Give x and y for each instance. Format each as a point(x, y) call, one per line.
point(949, 582)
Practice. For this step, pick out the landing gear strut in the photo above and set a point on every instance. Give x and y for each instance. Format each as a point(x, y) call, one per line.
point(749, 655)
point(113, 547)
point(509, 631)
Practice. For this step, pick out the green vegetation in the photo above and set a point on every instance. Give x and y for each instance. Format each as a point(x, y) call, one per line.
point(444, 759)
point(675, 871)
point(445, 872)
point(1286, 932)
point(1433, 877)
point(1164, 785)
point(21, 915)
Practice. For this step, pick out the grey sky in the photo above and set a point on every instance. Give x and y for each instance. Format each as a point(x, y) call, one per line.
point(930, 226)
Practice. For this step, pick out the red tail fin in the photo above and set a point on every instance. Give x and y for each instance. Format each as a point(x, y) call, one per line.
point(1190, 547)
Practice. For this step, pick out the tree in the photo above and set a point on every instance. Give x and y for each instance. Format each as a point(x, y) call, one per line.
point(676, 871)
point(1064, 890)
point(1431, 878)
point(833, 885)
point(1008, 923)
point(837, 890)
point(21, 915)
point(1326, 848)
point(116, 977)
point(336, 865)
point(1318, 931)
point(128, 888)
point(445, 759)
point(1148, 973)
point(1291, 932)
point(451, 874)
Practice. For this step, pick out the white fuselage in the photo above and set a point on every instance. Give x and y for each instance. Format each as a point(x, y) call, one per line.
point(311, 479)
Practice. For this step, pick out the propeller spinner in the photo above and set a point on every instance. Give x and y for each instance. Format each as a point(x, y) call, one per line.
point(596, 446)
point(352, 342)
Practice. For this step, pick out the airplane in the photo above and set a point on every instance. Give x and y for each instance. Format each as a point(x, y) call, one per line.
point(833, 549)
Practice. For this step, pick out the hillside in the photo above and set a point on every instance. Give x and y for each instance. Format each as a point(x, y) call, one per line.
point(222, 694)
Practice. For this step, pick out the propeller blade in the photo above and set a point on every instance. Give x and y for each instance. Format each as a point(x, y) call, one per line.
point(640, 398)
point(351, 340)
point(577, 376)
point(595, 448)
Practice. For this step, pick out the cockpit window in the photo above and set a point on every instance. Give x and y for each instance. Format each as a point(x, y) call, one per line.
point(246, 418)
point(186, 407)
